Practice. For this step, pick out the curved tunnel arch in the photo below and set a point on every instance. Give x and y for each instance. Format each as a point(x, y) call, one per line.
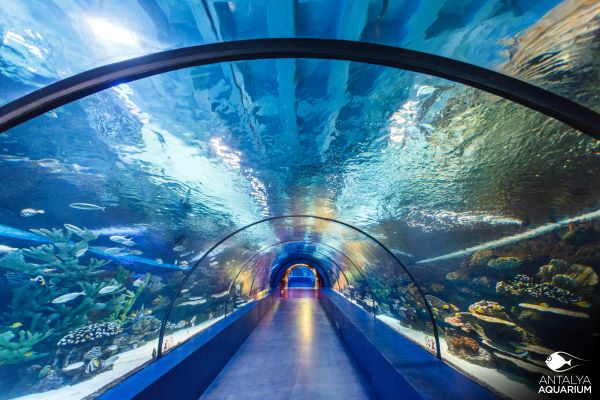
point(341, 270)
point(266, 248)
point(98, 79)
point(280, 217)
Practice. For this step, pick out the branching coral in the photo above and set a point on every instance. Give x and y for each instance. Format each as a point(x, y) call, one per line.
point(123, 304)
point(16, 351)
point(61, 268)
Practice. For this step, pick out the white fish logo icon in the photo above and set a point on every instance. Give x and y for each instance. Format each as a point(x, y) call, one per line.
point(560, 361)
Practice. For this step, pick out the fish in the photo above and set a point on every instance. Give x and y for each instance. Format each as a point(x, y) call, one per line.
point(28, 354)
point(187, 253)
point(115, 250)
point(108, 289)
point(196, 298)
point(67, 297)
point(178, 248)
point(81, 251)
point(16, 325)
point(6, 249)
point(139, 282)
point(184, 264)
point(125, 241)
point(192, 302)
point(87, 207)
point(49, 270)
point(159, 260)
point(74, 229)
point(39, 280)
point(136, 252)
point(30, 212)
point(222, 294)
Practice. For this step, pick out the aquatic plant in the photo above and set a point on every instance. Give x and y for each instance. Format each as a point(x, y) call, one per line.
point(123, 304)
point(17, 348)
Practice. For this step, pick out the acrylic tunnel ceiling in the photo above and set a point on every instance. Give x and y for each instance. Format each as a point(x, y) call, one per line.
point(148, 175)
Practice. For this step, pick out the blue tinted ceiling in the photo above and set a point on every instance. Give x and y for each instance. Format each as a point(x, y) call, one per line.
point(44, 41)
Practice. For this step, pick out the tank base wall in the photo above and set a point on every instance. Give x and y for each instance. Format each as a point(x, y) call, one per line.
point(187, 370)
point(393, 365)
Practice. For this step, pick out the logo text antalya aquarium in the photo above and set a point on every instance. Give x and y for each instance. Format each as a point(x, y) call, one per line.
point(562, 362)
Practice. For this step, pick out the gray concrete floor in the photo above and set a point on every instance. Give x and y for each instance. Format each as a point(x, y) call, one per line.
point(294, 353)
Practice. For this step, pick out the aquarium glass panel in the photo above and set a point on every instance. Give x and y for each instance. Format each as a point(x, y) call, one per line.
point(550, 43)
point(106, 203)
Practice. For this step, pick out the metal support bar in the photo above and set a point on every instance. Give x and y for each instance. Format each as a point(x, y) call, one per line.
point(98, 79)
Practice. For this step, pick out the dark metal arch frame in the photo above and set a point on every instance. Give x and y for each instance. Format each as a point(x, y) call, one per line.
point(227, 237)
point(97, 79)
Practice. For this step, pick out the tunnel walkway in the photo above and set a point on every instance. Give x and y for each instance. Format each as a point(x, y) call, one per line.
point(293, 353)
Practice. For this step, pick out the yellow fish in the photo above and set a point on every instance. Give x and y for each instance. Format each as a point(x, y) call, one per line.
point(445, 306)
point(16, 325)
point(28, 354)
point(583, 304)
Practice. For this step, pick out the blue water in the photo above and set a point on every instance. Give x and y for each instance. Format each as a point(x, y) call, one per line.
point(475, 195)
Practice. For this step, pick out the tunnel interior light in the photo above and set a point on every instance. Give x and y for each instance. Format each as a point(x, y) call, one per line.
point(109, 33)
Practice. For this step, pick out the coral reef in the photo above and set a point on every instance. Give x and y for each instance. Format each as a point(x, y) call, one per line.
point(526, 287)
point(575, 277)
point(468, 348)
point(504, 263)
point(90, 334)
point(496, 329)
point(554, 267)
point(15, 349)
point(481, 258)
point(488, 308)
point(143, 325)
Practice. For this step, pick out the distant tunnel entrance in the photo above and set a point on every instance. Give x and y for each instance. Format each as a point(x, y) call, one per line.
point(301, 276)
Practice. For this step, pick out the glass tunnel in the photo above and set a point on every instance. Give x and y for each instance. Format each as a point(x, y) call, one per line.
point(143, 200)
